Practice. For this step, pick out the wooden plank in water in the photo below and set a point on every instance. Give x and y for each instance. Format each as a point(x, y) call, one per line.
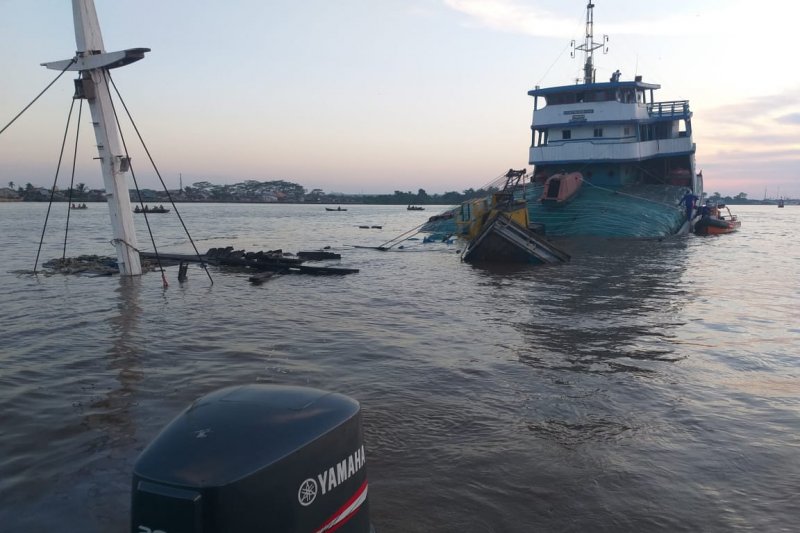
point(318, 256)
point(321, 271)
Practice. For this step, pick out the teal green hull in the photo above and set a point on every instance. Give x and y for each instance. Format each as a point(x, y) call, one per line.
point(632, 211)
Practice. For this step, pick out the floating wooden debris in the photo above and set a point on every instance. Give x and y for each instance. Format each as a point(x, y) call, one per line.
point(264, 264)
point(88, 265)
point(318, 256)
point(273, 261)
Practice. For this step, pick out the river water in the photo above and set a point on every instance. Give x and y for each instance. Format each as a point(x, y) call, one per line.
point(648, 385)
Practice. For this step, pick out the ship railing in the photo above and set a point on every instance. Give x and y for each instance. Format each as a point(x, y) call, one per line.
point(669, 109)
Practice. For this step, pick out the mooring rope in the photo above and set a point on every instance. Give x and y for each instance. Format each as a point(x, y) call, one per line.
point(74, 59)
point(626, 194)
point(55, 180)
point(155, 167)
point(114, 243)
point(400, 238)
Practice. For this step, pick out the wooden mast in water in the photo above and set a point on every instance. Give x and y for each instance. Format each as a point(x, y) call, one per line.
point(93, 63)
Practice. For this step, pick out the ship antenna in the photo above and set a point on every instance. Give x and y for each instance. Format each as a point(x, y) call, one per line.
point(589, 46)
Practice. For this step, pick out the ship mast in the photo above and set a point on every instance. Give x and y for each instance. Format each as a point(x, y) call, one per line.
point(589, 46)
point(93, 63)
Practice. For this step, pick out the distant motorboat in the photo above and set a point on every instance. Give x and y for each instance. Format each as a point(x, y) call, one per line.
point(415, 208)
point(332, 209)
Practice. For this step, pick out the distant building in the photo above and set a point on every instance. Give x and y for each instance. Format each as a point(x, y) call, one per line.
point(9, 195)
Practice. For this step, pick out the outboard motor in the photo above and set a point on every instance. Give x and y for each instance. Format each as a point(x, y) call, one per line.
point(255, 458)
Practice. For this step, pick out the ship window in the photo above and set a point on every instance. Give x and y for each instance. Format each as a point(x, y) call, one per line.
point(566, 134)
point(626, 131)
point(598, 132)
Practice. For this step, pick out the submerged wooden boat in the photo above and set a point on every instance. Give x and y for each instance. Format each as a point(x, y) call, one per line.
point(561, 188)
point(713, 222)
point(502, 234)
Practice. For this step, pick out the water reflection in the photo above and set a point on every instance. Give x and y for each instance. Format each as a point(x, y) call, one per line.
point(111, 413)
point(611, 310)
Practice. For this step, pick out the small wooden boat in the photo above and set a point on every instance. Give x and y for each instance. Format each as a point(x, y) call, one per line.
point(415, 208)
point(713, 222)
point(147, 209)
point(332, 209)
point(561, 188)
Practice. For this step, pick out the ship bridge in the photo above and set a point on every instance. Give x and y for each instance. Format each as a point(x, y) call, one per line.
point(614, 121)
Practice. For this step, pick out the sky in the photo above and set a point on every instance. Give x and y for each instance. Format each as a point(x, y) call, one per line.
point(374, 96)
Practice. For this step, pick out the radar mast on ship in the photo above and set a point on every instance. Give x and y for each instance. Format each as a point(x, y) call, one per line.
point(589, 46)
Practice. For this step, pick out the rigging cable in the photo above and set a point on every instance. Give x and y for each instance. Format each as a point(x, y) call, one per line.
point(38, 95)
point(150, 157)
point(72, 178)
point(400, 238)
point(55, 180)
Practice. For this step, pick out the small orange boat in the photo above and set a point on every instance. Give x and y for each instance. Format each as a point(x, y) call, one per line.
point(713, 222)
point(561, 188)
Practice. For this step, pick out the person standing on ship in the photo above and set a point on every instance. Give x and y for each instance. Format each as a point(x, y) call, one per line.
point(688, 201)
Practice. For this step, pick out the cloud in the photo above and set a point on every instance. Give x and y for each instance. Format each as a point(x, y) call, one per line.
point(507, 15)
point(791, 118)
point(783, 106)
point(760, 125)
point(513, 16)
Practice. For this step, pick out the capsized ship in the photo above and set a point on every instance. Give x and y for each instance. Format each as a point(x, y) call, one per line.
point(634, 155)
point(499, 230)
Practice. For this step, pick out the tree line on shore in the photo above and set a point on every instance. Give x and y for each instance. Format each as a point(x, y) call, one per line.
point(250, 191)
point(276, 191)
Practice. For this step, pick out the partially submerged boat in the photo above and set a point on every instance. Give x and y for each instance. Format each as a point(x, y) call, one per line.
point(500, 231)
point(635, 155)
point(714, 222)
point(332, 209)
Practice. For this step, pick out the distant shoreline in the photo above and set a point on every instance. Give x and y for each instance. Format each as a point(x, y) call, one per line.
point(788, 201)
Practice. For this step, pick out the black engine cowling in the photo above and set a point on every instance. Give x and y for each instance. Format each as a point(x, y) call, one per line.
point(255, 458)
